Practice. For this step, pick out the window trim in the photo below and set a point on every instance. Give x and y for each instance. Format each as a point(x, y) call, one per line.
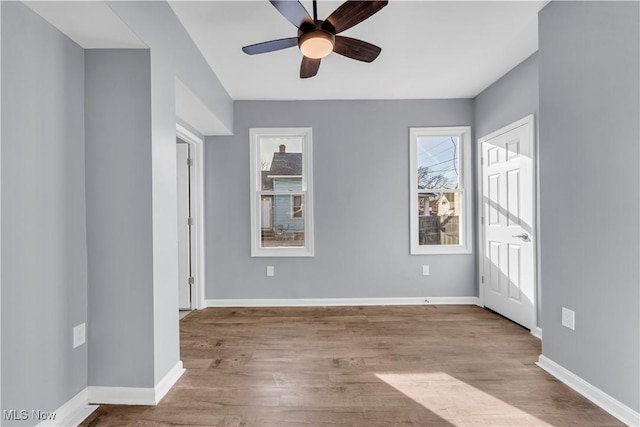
point(255, 135)
point(466, 223)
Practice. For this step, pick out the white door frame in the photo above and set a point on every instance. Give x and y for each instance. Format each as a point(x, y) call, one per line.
point(528, 120)
point(197, 213)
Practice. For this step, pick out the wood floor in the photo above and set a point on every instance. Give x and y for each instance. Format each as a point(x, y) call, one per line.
point(359, 366)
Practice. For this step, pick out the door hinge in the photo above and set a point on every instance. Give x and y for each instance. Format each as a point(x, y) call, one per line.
point(481, 161)
point(481, 279)
point(482, 220)
point(189, 221)
point(189, 161)
point(192, 280)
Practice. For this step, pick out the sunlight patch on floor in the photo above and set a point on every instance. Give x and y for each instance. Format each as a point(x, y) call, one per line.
point(458, 402)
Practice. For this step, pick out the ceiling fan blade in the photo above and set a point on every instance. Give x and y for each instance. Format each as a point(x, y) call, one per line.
point(270, 46)
point(294, 11)
point(356, 49)
point(309, 67)
point(351, 13)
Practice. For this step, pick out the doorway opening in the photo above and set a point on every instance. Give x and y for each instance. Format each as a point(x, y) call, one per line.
point(189, 162)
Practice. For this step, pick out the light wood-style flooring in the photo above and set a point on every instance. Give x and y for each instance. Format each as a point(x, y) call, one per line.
point(359, 366)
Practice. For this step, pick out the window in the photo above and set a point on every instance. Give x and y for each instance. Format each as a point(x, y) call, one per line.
point(281, 197)
point(440, 190)
point(297, 207)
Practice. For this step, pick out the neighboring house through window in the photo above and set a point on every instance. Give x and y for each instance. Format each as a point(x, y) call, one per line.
point(281, 182)
point(440, 190)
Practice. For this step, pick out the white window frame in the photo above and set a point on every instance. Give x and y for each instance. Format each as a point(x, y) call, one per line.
point(255, 136)
point(466, 211)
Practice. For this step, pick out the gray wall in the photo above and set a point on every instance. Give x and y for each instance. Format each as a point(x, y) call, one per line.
point(589, 177)
point(512, 97)
point(173, 54)
point(361, 196)
point(156, 24)
point(44, 255)
point(131, 206)
point(119, 217)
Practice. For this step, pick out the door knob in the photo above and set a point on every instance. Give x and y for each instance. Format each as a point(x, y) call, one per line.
point(523, 236)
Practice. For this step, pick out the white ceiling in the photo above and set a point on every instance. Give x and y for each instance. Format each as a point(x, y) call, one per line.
point(91, 24)
point(430, 49)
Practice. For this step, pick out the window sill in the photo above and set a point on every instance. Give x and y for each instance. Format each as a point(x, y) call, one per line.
point(281, 252)
point(441, 250)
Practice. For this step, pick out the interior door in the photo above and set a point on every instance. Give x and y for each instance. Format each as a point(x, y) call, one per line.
point(508, 256)
point(184, 228)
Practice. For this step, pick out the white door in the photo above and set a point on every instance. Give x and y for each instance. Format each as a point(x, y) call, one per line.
point(508, 252)
point(184, 229)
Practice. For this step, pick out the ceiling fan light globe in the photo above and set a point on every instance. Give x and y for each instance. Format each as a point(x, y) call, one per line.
point(316, 44)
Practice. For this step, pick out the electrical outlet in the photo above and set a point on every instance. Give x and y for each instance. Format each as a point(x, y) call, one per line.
point(425, 270)
point(568, 318)
point(79, 335)
point(270, 271)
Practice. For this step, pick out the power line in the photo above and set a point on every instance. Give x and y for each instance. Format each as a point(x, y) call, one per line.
point(436, 164)
point(440, 143)
point(428, 153)
point(455, 154)
point(445, 170)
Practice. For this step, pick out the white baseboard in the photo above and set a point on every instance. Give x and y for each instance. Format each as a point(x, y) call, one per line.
point(594, 394)
point(537, 332)
point(122, 395)
point(165, 384)
point(72, 413)
point(136, 395)
point(324, 302)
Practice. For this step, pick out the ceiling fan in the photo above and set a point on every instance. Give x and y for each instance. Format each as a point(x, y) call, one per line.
point(317, 39)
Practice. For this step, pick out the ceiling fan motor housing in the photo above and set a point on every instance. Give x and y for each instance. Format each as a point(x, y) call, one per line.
point(314, 41)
